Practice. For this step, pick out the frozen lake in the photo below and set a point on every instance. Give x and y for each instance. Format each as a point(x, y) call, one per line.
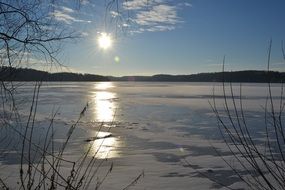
point(166, 130)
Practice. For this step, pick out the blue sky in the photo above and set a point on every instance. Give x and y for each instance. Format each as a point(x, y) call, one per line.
point(175, 36)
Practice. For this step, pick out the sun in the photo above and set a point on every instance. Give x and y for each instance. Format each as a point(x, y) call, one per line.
point(105, 41)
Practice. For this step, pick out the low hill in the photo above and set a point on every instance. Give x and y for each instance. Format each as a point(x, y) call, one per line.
point(234, 76)
point(24, 74)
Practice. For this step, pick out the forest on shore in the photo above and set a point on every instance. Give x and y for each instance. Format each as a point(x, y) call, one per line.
point(255, 76)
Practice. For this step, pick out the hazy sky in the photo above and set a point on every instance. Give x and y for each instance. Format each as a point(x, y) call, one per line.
point(176, 36)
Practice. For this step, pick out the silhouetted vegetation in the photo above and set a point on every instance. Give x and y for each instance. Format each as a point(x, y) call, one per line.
point(19, 74)
point(233, 76)
point(25, 74)
point(29, 33)
point(259, 162)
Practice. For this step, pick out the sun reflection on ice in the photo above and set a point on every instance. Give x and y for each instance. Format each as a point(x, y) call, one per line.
point(105, 108)
point(104, 85)
point(105, 104)
point(105, 147)
point(104, 144)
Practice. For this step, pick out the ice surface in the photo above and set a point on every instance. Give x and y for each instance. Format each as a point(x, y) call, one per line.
point(166, 130)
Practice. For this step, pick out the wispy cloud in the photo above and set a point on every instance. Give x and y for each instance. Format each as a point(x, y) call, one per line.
point(160, 28)
point(84, 34)
point(114, 14)
point(65, 14)
point(186, 4)
point(140, 4)
point(160, 14)
point(67, 10)
point(155, 15)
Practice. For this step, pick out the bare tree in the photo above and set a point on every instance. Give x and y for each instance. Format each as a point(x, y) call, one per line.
point(28, 31)
point(258, 163)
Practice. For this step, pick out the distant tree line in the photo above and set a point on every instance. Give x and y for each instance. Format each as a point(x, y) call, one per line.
point(234, 76)
point(26, 74)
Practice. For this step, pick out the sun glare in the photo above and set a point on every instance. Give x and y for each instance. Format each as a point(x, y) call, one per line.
point(104, 41)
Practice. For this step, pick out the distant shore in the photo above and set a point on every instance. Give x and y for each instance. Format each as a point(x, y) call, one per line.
point(248, 76)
